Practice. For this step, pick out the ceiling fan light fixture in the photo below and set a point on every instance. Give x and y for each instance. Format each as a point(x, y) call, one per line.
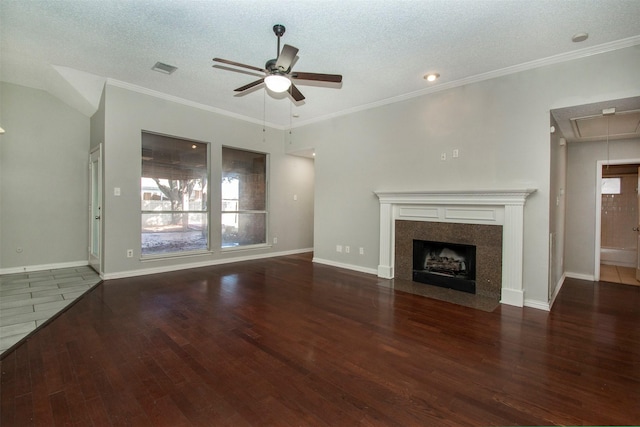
point(277, 83)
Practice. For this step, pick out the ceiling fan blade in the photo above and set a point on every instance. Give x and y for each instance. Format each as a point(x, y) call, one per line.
point(286, 57)
point(250, 85)
point(235, 70)
point(237, 64)
point(295, 93)
point(334, 78)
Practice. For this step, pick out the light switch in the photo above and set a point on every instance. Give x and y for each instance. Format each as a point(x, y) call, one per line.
point(116, 191)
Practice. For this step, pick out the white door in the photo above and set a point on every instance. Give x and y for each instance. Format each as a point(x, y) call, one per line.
point(95, 208)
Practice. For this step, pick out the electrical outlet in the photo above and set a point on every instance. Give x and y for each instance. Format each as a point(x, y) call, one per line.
point(338, 248)
point(129, 253)
point(347, 249)
point(443, 156)
point(361, 250)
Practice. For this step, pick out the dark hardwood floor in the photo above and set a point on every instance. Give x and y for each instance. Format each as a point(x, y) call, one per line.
point(285, 342)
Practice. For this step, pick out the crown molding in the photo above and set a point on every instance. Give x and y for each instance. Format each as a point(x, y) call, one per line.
point(186, 102)
point(538, 63)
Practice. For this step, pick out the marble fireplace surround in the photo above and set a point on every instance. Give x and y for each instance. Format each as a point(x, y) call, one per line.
point(490, 207)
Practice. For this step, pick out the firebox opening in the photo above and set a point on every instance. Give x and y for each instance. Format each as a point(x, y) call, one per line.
point(448, 265)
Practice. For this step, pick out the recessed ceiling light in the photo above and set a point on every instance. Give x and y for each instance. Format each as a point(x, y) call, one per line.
point(164, 68)
point(579, 37)
point(431, 77)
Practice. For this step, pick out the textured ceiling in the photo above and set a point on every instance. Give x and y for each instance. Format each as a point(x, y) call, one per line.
point(381, 47)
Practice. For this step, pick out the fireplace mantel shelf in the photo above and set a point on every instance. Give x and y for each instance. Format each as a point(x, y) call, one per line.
point(504, 207)
point(464, 197)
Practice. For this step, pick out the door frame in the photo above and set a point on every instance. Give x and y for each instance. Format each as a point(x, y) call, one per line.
point(598, 238)
point(95, 215)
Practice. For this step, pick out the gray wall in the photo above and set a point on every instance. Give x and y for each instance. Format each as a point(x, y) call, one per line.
point(500, 126)
point(581, 199)
point(128, 113)
point(43, 180)
point(557, 208)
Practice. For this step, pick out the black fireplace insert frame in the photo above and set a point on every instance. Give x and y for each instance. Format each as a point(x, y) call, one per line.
point(461, 282)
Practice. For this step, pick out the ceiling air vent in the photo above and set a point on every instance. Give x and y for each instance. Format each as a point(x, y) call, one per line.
point(164, 68)
point(624, 124)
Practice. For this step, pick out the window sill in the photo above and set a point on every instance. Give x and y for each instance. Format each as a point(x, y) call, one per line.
point(245, 248)
point(175, 255)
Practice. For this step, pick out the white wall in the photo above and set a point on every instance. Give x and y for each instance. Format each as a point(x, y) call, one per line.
point(501, 128)
point(581, 199)
point(127, 113)
point(43, 181)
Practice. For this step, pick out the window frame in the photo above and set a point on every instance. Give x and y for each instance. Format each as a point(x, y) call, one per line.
point(206, 212)
point(266, 210)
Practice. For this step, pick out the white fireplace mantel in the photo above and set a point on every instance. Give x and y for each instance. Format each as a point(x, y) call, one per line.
point(492, 207)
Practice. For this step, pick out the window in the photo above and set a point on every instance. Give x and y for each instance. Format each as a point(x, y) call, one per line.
point(610, 185)
point(173, 195)
point(244, 198)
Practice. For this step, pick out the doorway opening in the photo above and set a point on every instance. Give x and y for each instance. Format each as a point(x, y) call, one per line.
point(617, 254)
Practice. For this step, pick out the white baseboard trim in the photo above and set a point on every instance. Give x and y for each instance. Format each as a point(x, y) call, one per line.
point(580, 276)
point(539, 305)
point(619, 263)
point(168, 268)
point(385, 271)
point(513, 297)
point(346, 266)
point(32, 268)
point(557, 290)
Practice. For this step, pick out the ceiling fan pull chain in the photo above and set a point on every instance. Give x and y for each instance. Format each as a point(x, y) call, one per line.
point(290, 121)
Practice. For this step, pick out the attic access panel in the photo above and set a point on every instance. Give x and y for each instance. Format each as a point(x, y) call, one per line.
point(625, 124)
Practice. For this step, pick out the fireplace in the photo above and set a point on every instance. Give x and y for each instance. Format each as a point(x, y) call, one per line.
point(501, 210)
point(448, 265)
point(479, 244)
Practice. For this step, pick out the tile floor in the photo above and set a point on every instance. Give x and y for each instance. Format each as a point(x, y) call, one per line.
point(616, 274)
point(27, 300)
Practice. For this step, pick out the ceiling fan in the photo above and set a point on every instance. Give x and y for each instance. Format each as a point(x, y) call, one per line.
point(278, 74)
